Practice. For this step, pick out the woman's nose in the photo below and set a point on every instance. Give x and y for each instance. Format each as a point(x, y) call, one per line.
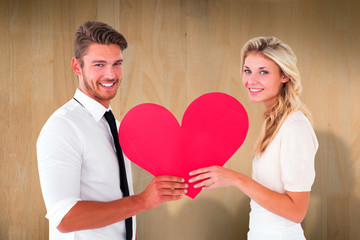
point(252, 79)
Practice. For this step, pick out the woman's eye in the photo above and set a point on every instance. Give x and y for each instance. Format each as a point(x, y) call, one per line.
point(264, 72)
point(247, 71)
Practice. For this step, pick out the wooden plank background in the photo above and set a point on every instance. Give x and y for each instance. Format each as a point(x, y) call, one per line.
point(177, 51)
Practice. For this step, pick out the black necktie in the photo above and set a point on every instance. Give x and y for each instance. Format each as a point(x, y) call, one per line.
point(123, 180)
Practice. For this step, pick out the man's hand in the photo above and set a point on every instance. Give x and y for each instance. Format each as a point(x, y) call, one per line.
point(163, 189)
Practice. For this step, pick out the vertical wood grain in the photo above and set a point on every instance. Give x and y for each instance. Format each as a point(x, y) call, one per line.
point(179, 50)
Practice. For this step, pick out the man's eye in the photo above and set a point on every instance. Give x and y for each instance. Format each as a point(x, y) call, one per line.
point(99, 65)
point(118, 64)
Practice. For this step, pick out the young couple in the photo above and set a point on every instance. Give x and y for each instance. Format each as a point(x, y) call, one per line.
point(80, 169)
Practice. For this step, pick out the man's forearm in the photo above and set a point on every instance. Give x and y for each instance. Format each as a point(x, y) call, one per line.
point(91, 215)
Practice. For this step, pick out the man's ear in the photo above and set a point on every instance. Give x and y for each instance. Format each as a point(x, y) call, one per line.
point(75, 63)
point(285, 78)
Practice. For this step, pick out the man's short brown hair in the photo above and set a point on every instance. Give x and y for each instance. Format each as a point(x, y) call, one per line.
point(96, 32)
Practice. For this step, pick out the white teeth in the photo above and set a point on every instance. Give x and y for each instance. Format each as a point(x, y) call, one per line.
point(255, 90)
point(107, 84)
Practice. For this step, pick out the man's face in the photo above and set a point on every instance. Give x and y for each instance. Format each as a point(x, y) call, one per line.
point(101, 73)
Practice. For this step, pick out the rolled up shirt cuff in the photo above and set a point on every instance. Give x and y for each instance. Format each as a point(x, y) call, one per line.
point(58, 210)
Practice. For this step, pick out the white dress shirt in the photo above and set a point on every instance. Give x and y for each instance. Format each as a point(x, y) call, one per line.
point(77, 161)
point(286, 164)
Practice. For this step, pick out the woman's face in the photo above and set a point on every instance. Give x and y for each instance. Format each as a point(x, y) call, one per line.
point(262, 78)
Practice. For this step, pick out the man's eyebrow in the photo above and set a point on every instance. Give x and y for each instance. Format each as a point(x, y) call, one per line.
point(98, 61)
point(104, 61)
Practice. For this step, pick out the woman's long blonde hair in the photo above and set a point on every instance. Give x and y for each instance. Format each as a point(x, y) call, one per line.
point(288, 99)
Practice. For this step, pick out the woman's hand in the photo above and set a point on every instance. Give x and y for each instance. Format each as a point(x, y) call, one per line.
point(290, 205)
point(213, 177)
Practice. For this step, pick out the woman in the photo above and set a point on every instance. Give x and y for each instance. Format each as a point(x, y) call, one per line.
point(283, 167)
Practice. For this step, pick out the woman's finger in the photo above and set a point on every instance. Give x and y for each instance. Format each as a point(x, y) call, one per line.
point(200, 177)
point(205, 184)
point(200, 171)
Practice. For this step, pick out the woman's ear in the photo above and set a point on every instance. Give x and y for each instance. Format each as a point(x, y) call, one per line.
point(285, 78)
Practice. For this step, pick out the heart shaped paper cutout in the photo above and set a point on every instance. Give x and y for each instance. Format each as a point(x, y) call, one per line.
point(213, 127)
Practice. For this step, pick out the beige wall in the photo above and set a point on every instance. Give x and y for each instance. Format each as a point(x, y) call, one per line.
point(177, 51)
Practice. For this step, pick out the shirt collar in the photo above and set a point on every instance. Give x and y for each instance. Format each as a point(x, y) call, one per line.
point(94, 107)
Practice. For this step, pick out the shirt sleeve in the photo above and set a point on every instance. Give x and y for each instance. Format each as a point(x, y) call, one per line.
point(298, 149)
point(59, 160)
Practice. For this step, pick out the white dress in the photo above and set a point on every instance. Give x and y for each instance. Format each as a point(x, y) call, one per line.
point(286, 164)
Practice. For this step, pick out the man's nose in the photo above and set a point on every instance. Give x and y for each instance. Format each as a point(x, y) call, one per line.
point(109, 73)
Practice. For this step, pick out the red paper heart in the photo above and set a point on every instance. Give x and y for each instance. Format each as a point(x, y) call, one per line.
point(213, 127)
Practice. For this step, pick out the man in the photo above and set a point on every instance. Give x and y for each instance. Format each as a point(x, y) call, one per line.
point(78, 161)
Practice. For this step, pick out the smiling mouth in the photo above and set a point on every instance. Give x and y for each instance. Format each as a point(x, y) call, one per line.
point(255, 90)
point(107, 84)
